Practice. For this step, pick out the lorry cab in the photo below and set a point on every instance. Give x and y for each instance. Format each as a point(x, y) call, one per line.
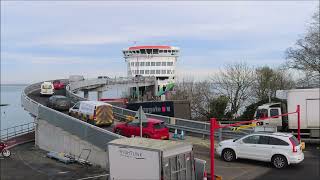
point(47, 88)
point(269, 110)
point(93, 112)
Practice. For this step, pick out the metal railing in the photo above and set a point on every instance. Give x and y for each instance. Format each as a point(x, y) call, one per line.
point(93, 134)
point(15, 131)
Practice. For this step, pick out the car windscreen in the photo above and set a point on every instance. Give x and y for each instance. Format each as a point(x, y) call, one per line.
point(159, 125)
point(46, 86)
point(262, 113)
point(294, 140)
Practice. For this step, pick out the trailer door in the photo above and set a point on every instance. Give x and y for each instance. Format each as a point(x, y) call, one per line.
point(313, 114)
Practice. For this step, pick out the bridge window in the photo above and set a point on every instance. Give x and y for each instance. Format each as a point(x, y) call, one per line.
point(164, 63)
point(152, 71)
point(147, 63)
point(153, 63)
point(142, 51)
point(157, 71)
point(141, 71)
point(137, 52)
point(165, 51)
point(160, 51)
point(158, 63)
point(147, 71)
point(155, 51)
point(149, 51)
point(141, 63)
point(169, 51)
point(163, 71)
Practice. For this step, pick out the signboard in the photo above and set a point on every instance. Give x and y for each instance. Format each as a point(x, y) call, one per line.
point(164, 108)
point(137, 163)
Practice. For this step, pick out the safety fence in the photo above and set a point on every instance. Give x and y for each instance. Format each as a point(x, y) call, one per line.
point(15, 131)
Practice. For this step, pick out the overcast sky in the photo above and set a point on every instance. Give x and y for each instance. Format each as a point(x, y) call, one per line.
point(50, 40)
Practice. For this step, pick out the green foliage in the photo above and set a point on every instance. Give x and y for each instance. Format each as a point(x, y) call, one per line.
point(218, 107)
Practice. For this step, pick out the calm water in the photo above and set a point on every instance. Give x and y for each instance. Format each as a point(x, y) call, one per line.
point(13, 114)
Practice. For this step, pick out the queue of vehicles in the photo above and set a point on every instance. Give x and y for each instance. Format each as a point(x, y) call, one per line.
point(281, 149)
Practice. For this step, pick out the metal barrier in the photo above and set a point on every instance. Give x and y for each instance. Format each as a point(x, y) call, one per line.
point(15, 131)
point(87, 132)
point(93, 134)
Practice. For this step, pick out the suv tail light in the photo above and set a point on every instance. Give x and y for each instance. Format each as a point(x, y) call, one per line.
point(293, 145)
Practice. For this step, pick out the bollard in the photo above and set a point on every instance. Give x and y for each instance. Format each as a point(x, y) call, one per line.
point(175, 135)
point(182, 135)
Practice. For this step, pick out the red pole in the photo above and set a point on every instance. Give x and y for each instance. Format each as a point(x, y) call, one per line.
point(298, 112)
point(212, 128)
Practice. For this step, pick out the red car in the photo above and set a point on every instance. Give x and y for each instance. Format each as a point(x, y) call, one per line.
point(154, 128)
point(58, 85)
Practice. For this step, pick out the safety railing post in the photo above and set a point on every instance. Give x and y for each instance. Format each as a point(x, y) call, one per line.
point(213, 122)
point(220, 133)
point(298, 113)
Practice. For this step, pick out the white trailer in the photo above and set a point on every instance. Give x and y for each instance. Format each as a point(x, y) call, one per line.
point(141, 158)
point(309, 101)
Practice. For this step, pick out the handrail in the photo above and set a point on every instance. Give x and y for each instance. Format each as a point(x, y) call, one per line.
point(15, 131)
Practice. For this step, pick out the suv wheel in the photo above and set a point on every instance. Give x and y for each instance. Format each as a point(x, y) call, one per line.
point(228, 155)
point(279, 161)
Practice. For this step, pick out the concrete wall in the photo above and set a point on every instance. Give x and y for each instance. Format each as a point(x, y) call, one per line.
point(52, 138)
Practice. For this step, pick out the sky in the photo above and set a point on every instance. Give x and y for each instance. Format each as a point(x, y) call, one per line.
point(50, 40)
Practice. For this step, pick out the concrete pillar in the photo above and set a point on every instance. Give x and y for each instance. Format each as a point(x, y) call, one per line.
point(86, 93)
point(99, 95)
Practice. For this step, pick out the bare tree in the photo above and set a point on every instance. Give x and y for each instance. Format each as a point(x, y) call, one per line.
point(305, 55)
point(268, 81)
point(235, 83)
point(198, 93)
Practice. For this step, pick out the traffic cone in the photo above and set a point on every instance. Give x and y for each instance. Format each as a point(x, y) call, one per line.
point(182, 134)
point(175, 135)
point(205, 175)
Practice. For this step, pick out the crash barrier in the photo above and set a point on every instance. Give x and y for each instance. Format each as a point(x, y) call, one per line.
point(215, 125)
point(15, 131)
point(83, 130)
point(87, 132)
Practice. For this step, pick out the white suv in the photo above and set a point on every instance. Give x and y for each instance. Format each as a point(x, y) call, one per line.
point(281, 149)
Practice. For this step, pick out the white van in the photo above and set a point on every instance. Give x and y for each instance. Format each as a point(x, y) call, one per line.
point(47, 88)
point(93, 112)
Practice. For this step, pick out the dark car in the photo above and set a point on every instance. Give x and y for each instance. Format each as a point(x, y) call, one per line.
point(59, 102)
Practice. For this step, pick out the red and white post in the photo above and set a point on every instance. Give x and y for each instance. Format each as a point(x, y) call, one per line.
point(213, 126)
point(298, 112)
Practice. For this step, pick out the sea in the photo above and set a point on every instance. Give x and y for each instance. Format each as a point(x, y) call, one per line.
point(13, 114)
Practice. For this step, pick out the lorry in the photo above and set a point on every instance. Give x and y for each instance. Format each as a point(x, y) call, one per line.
point(94, 112)
point(309, 101)
point(142, 158)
